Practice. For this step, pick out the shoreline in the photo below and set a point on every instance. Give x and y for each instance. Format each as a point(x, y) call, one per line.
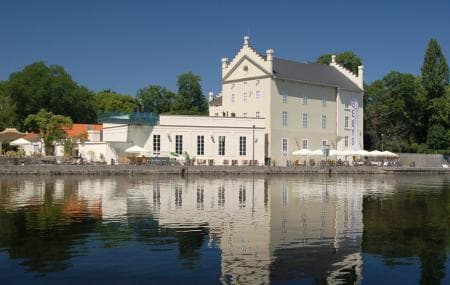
point(50, 169)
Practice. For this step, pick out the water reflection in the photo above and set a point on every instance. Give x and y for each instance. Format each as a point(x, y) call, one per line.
point(267, 229)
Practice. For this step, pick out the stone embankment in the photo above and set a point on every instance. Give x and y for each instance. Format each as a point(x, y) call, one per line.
point(52, 169)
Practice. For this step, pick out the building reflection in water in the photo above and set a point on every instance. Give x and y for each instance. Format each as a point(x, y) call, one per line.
point(267, 229)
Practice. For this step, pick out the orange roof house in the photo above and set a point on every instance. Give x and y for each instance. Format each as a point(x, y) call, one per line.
point(78, 130)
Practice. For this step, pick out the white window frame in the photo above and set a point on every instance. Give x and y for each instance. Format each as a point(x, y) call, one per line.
point(258, 94)
point(305, 120)
point(284, 96)
point(346, 121)
point(200, 145)
point(242, 145)
point(284, 147)
point(324, 121)
point(258, 114)
point(284, 119)
point(324, 142)
point(346, 141)
point(245, 96)
point(221, 145)
point(305, 99)
point(233, 98)
point(179, 144)
point(245, 114)
point(156, 144)
point(324, 101)
point(305, 143)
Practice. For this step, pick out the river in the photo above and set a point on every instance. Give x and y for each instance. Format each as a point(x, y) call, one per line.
point(293, 229)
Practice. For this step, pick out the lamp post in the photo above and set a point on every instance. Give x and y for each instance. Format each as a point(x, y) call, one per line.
point(382, 143)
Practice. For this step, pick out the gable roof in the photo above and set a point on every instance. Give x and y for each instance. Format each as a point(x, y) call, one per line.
point(312, 72)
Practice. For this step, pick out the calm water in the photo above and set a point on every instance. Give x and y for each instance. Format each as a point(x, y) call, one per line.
point(232, 230)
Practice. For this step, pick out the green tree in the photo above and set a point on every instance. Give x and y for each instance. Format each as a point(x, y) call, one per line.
point(7, 109)
point(156, 99)
point(347, 59)
point(49, 126)
point(110, 101)
point(39, 86)
point(393, 108)
point(190, 99)
point(438, 137)
point(435, 73)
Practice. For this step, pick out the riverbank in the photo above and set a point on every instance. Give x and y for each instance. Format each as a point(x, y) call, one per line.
point(183, 170)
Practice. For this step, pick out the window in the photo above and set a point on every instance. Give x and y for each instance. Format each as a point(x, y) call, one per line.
point(216, 114)
point(346, 122)
point(324, 142)
point(305, 144)
point(346, 103)
point(232, 86)
point(285, 96)
point(221, 145)
point(284, 119)
point(200, 145)
point(305, 100)
point(156, 144)
point(245, 114)
point(324, 121)
point(179, 144)
point(233, 98)
point(257, 82)
point(257, 114)
point(258, 94)
point(346, 141)
point(324, 101)
point(245, 97)
point(242, 145)
point(305, 120)
point(284, 146)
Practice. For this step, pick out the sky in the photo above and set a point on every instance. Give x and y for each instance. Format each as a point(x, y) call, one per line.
point(127, 45)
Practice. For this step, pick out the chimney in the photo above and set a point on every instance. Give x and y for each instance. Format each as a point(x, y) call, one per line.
point(224, 63)
point(361, 76)
point(269, 54)
point(246, 40)
point(210, 96)
point(333, 58)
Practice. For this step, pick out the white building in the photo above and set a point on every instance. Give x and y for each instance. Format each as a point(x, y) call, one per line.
point(305, 105)
point(267, 109)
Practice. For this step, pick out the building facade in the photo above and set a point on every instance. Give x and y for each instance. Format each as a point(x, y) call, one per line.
point(304, 105)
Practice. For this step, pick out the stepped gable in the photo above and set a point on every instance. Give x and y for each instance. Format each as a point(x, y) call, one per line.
point(312, 73)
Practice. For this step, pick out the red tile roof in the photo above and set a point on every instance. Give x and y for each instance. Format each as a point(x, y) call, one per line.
point(79, 129)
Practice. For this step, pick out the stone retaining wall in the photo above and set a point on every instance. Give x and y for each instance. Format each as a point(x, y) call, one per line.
point(182, 170)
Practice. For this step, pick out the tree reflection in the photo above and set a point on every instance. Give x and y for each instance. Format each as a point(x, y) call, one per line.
point(411, 223)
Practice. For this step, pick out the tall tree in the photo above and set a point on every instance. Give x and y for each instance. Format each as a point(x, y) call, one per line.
point(156, 99)
point(49, 126)
point(39, 86)
point(347, 59)
point(7, 109)
point(435, 73)
point(190, 99)
point(392, 108)
point(110, 101)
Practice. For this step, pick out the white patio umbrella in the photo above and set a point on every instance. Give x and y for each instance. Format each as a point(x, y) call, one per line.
point(376, 153)
point(362, 152)
point(302, 152)
point(19, 142)
point(136, 150)
point(318, 152)
point(389, 154)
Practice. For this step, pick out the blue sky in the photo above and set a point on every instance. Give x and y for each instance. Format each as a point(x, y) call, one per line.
point(126, 45)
